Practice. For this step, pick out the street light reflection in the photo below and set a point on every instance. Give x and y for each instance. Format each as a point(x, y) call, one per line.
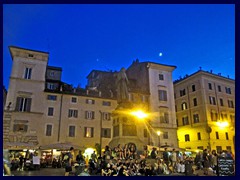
point(139, 114)
point(222, 124)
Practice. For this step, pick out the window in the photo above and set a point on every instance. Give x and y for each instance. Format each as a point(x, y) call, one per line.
point(226, 133)
point(162, 95)
point(182, 92)
point(89, 114)
point(52, 73)
point(50, 111)
point(187, 137)
point(210, 86)
point(228, 90)
point(165, 135)
point(30, 55)
point(193, 88)
point(90, 101)
point(185, 120)
point(106, 116)
point(219, 149)
point(106, 132)
point(161, 77)
point(164, 117)
point(184, 106)
point(212, 100)
point(199, 135)
point(230, 104)
point(88, 132)
point(228, 148)
point(232, 118)
point(74, 99)
point(217, 135)
point(200, 147)
point(214, 116)
point(194, 101)
point(52, 97)
point(106, 103)
point(50, 86)
point(221, 101)
point(23, 104)
point(20, 128)
point(195, 118)
point(71, 131)
point(219, 88)
point(28, 73)
point(73, 113)
point(115, 130)
point(49, 130)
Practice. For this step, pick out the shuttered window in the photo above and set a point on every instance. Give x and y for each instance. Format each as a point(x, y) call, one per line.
point(88, 132)
point(23, 104)
point(71, 131)
point(20, 128)
point(49, 130)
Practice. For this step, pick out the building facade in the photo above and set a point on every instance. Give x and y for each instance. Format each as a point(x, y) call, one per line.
point(44, 110)
point(205, 111)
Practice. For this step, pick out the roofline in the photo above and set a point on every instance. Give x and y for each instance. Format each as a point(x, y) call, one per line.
point(54, 67)
point(27, 49)
point(202, 71)
point(98, 71)
point(160, 64)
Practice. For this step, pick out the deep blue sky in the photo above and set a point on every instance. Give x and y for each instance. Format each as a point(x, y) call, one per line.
point(84, 37)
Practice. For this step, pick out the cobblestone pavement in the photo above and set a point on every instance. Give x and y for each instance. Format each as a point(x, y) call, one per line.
point(60, 172)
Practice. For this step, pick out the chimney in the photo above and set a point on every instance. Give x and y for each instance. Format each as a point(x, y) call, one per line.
point(100, 94)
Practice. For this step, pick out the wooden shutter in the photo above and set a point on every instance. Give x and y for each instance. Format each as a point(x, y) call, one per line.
point(92, 133)
point(28, 104)
point(18, 103)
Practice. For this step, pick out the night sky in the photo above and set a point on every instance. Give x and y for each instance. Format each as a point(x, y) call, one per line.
point(80, 38)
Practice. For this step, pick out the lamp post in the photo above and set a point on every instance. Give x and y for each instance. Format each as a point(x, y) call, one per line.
point(101, 117)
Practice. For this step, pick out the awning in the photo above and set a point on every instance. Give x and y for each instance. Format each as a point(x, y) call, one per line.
point(19, 145)
point(60, 146)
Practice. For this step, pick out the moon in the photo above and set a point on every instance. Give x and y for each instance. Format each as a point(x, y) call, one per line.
point(160, 54)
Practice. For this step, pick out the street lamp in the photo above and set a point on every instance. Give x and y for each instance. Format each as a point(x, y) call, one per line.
point(101, 117)
point(142, 115)
point(159, 133)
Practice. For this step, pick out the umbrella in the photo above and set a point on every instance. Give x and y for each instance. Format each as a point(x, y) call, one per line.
point(61, 146)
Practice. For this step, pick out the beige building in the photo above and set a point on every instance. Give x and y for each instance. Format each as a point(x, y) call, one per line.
point(44, 110)
point(205, 111)
point(155, 80)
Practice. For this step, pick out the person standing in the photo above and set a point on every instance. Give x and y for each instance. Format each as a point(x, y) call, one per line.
point(69, 162)
point(174, 159)
point(94, 156)
point(205, 162)
point(166, 157)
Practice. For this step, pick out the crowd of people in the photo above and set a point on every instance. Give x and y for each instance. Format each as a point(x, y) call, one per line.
point(125, 161)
